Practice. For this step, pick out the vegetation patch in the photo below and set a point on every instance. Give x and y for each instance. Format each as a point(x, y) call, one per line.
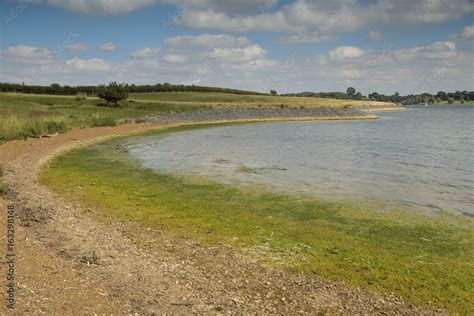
point(29, 115)
point(426, 260)
point(15, 127)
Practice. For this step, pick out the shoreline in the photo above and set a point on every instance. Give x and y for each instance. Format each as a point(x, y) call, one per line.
point(235, 114)
point(65, 233)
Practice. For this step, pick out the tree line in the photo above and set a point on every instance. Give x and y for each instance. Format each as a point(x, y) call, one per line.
point(57, 89)
point(352, 94)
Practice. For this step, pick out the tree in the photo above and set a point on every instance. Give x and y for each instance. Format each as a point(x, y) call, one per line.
point(442, 95)
point(56, 88)
point(351, 91)
point(273, 92)
point(358, 96)
point(113, 93)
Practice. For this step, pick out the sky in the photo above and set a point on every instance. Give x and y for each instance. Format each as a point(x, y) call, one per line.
point(408, 46)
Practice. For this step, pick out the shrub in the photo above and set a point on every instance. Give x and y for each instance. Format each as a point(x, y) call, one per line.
point(113, 93)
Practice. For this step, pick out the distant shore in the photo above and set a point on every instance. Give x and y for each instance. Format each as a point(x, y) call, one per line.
point(257, 115)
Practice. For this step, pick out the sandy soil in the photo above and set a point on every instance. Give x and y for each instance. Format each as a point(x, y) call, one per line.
point(73, 260)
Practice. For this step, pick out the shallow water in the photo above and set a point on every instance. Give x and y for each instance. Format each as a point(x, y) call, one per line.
point(420, 159)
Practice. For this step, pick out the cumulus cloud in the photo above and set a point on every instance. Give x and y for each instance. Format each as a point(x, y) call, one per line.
point(345, 52)
point(241, 6)
point(30, 52)
point(101, 7)
point(438, 50)
point(107, 47)
point(113, 7)
point(175, 58)
point(316, 20)
point(207, 40)
point(468, 33)
point(77, 48)
point(146, 53)
point(93, 65)
point(245, 54)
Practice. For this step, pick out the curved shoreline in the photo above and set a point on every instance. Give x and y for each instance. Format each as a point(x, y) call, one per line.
point(67, 235)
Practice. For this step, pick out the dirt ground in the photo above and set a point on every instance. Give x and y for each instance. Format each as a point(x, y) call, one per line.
point(70, 260)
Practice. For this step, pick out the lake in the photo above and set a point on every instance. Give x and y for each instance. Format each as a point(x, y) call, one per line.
point(418, 159)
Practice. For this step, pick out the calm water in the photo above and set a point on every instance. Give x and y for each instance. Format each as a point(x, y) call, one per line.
point(422, 158)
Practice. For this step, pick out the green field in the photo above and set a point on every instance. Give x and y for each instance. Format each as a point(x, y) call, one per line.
point(26, 115)
point(425, 260)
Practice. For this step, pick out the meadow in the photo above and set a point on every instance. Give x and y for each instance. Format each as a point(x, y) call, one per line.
point(426, 260)
point(27, 115)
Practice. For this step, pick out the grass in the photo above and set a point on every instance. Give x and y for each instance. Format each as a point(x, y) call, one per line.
point(26, 115)
point(231, 100)
point(14, 127)
point(426, 260)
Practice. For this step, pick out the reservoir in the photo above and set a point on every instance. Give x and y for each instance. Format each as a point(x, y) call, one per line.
point(418, 159)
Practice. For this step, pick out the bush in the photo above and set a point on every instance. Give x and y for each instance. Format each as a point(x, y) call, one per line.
point(113, 93)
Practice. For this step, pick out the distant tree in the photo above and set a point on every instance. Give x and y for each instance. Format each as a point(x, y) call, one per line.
point(442, 95)
point(471, 96)
point(374, 96)
point(450, 101)
point(273, 92)
point(113, 93)
point(358, 96)
point(55, 88)
point(351, 91)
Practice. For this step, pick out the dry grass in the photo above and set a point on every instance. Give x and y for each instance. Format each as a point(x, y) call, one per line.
point(15, 127)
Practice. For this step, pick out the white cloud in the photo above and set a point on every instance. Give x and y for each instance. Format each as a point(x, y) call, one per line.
point(345, 52)
point(240, 6)
point(438, 50)
point(101, 7)
point(207, 40)
point(77, 48)
point(307, 38)
point(468, 33)
point(113, 7)
point(245, 54)
point(93, 65)
point(146, 53)
point(24, 51)
point(218, 20)
point(375, 36)
point(175, 58)
point(107, 47)
point(316, 20)
point(419, 12)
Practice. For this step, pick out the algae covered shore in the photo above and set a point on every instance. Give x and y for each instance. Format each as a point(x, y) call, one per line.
point(425, 260)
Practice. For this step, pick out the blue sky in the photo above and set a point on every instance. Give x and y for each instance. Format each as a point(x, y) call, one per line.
point(302, 45)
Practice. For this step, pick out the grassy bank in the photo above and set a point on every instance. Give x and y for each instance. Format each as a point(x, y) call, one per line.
point(23, 116)
point(426, 260)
